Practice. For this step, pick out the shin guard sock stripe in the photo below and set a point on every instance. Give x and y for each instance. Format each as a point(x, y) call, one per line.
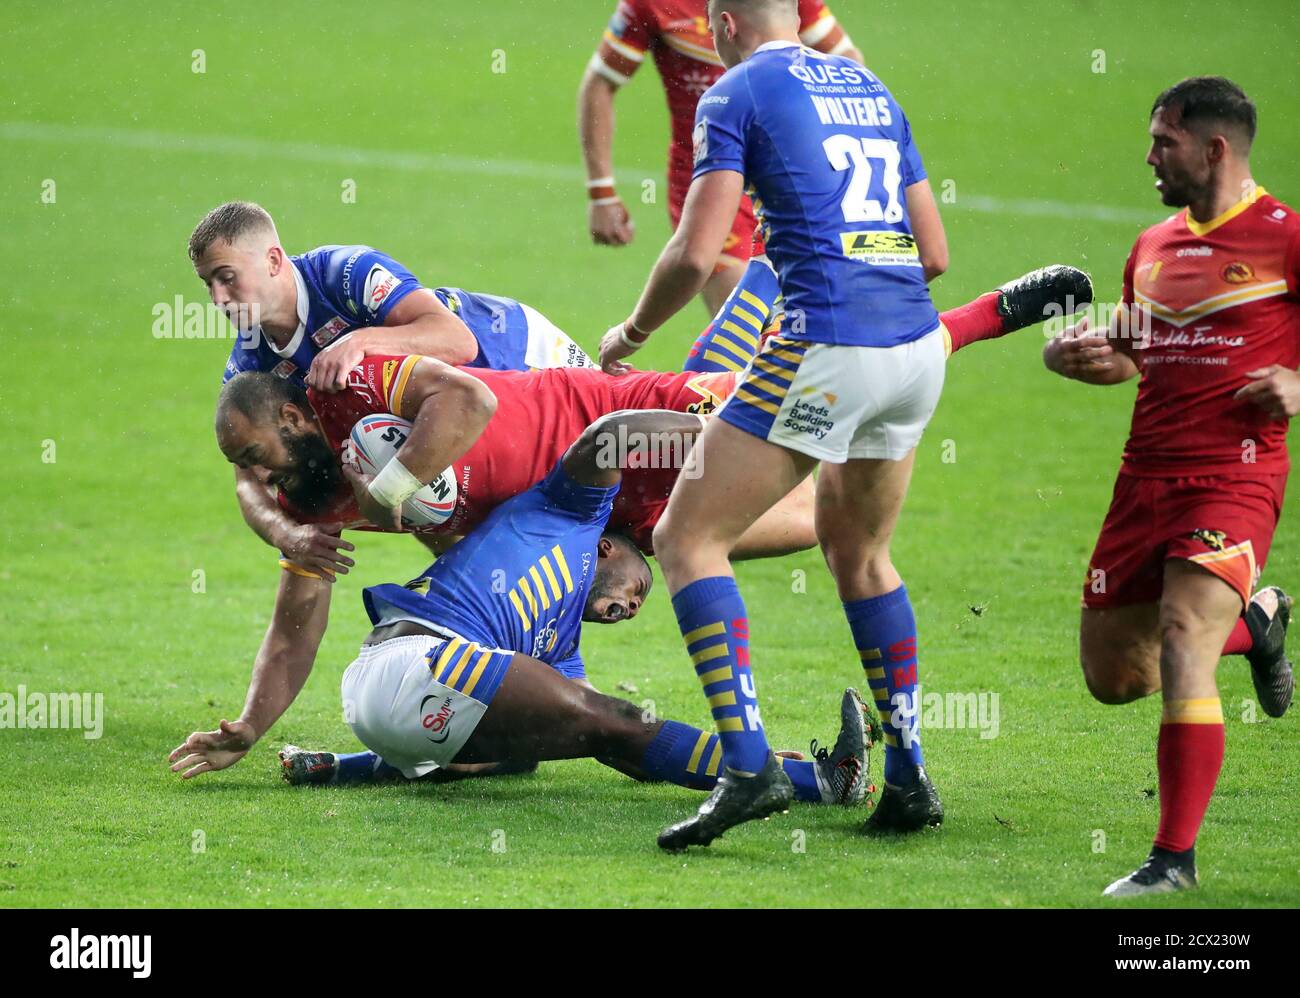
point(1189, 755)
point(713, 621)
point(884, 632)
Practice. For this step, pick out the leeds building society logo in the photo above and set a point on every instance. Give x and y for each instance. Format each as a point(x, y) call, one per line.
point(1238, 272)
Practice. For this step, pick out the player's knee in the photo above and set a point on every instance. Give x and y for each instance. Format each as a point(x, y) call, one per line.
point(1111, 685)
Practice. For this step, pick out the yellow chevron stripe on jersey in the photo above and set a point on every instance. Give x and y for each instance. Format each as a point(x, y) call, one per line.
point(700, 52)
point(517, 603)
point(563, 566)
point(1229, 299)
point(536, 576)
point(522, 586)
point(550, 577)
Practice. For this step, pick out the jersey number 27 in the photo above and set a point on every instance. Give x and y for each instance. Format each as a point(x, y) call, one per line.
point(847, 152)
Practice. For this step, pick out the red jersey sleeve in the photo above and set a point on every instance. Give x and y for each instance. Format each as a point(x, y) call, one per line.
point(627, 38)
point(1126, 296)
point(818, 28)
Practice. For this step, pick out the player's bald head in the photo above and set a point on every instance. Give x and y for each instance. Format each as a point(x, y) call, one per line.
point(256, 399)
point(1208, 106)
point(230, 223)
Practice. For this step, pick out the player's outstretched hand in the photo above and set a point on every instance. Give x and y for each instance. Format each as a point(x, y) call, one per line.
point(614, 346)
point(318, 548)
point(329, 369)
point(1275, 389)
point(1080, 354)
point(610, 224)
point(381, 516)
point(208, 751)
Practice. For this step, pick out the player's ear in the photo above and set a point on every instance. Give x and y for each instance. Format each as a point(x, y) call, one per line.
point(292, 416)
point(274, 260)
point(604, 547)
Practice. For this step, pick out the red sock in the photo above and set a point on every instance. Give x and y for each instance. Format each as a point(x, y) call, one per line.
point(977, 320)
point(1239, 641)
point(1189, 756)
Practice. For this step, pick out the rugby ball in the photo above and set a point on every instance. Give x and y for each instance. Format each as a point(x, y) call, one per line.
point(375, 441)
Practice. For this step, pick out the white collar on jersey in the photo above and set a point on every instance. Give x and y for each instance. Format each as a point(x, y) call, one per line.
point(303, 305)
point(777, 45)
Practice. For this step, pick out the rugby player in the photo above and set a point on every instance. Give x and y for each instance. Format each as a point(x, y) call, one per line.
point(855, 235)
point(461, 669)
point(314, 316)
point(1210, 322)
point(677, 33)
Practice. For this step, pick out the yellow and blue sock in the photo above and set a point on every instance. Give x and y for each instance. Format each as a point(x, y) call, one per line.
point(884, 632)
point(715, 627)
point(690, 757)
point(732, 339)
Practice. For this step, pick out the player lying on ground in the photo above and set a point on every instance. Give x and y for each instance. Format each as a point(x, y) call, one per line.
point(1211, 323)
point(314, 316)
point(460, 670)
point(676, 33)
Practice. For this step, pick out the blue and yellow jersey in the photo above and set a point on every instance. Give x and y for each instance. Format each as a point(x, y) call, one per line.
point(519, 581)
point(342, 288)
point(827, 155)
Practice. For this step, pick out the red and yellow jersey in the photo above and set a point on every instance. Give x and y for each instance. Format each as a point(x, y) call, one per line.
point(539, 414)
point(677, 33)
point(1215, 301)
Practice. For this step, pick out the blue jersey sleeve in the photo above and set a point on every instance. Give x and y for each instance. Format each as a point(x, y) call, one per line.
point(373, 283)
point(243, 357)
point(722, 120)
point(913, 168)
point(586, 503)
point(571, 667)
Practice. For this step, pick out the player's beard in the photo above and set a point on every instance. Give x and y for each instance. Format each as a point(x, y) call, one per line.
point(316, 477)
point(1179, 192)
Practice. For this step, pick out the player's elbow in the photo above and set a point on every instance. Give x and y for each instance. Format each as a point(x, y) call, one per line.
point(934, 262)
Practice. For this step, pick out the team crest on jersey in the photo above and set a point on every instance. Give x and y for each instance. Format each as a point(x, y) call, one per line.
point(1212, 539)
point(1238, 272)
point(284, 369)
point(700, 140)
point(329, 332)
point(380, 283)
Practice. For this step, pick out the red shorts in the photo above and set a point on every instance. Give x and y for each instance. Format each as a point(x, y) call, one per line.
point(742, 242)
point(1225, 525)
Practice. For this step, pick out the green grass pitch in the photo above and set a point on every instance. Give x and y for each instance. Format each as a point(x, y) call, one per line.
point(113, 147)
